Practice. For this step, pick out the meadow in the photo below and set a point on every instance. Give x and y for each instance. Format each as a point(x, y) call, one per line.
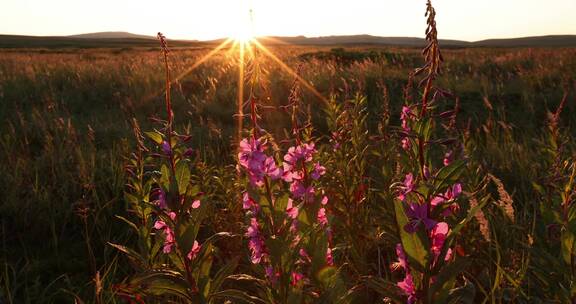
point(105, 199)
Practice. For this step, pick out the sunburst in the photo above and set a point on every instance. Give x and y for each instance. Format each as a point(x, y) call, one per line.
point(242, 42)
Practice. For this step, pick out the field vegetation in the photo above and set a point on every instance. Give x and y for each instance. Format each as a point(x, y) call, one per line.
point(452, 185)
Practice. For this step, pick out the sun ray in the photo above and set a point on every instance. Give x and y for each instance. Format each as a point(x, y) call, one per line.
point(290, 71)
point(240, 90)
point(192, 68)
point(232, 48)
point(202, 60)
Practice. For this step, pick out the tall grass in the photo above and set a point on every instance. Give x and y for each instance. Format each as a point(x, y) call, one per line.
point(68, 149)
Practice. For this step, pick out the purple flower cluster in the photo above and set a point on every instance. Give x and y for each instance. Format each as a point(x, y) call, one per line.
point(257, 164)
point(169, 240)
point(256, 241)
point(418, 214)
point(168, 235)
point(407, 285)
point(299, 172)
point(295, 170)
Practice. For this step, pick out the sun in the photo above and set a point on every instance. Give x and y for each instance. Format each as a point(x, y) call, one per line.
point(243, 31)
point(243, 35)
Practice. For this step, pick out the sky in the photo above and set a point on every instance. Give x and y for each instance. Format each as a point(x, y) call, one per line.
point(193, 19)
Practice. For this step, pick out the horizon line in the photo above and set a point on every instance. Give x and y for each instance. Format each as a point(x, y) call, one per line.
point(271, 36)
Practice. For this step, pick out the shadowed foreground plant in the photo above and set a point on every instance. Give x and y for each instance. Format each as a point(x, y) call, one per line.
point(428, 205)
point(171, 261)
point(556, 235)
point(289, 235)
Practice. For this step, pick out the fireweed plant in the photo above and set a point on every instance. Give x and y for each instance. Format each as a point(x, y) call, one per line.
point(171, 261)
point(294, 213)
point(428, 201)
point(557, 192)
point(287, 223)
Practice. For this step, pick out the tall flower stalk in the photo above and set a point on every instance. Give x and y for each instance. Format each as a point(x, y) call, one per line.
point(170, 209)
point(428, 202)
point(287, 223)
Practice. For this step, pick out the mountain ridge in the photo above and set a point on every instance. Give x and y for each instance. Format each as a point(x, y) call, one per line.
point(110, 35)
point(126, 39)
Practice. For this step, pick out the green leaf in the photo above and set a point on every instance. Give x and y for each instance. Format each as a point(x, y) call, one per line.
point(222, 274)
point(567, 240)
point(281, 203)
point(333, 286)
point(233, 294)
point(182, 176)
point(165, 176)
point(317, 248)
point(132, 255)
point(247, 277)
point(189, 231)
point(303, 218)
point(447, 274)
point(132, 199)
point(326, 274)
point(163, 282)
point(128, 222)
point(155, 136)
point(385, 288)
point(413, 243)
point(448, 175)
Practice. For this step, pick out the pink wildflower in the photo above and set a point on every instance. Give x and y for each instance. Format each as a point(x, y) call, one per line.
point(296, 278)
point(160, 224)
point(168, 240)
point(291, 211)
point(196, 204)
point(304, 255)
point(256, 243)
point(166, 148)
point(405, 143)
point(271, 274)
point(418, 214)
point(319, 170)
point(271, 169)
point(172, 215)
point(194, 251)
point(303, 152)
point(448, 157)
point(299, 191)
point(294, 227)
point(248, 202)
point(402, 263)
point(438, 236)
point(407, 285)
point(450, 194)
point(161, 200)
point(252, 158)
point(405, 116)
point(407, 187)
point(322, 219)
point(329, 257)
point(168, 235)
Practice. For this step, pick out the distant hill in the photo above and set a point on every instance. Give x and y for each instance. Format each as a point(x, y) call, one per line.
point(360, 40)
point(14, 41)
point(111, 35)
point(125, 39)
point(537, 41)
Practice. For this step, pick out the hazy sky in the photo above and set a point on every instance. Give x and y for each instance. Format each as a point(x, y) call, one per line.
point(457, 19)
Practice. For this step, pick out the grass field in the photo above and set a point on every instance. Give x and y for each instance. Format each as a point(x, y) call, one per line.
point(67, 139)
